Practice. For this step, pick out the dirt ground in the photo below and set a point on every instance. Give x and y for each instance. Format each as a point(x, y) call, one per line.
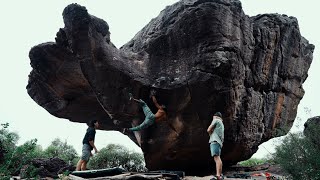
point(273, 177)
point(260, 172)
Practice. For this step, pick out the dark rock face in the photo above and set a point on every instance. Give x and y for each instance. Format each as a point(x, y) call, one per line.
point(312, 129)
point(313, 122)
point(201, 56)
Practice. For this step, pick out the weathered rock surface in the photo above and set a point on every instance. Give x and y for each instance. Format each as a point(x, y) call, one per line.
point(201, 56)
point(312, 130)
point(311, 123)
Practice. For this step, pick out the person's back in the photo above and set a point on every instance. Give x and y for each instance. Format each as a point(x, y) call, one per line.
point(89, 136)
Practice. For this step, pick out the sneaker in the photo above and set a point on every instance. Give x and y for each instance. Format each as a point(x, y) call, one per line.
point(221, 177)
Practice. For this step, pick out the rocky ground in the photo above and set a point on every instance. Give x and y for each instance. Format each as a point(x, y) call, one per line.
point(259, 172)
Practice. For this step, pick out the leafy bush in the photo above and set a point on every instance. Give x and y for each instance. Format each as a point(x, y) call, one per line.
point(253, 162)
point(21, 155)
point(14, 158)
point(62, 150)
point(8, 141)
point(299, 156)
point(117, 156)
point(29, 171)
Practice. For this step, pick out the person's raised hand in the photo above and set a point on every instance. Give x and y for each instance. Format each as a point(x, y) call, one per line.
point(153, 92)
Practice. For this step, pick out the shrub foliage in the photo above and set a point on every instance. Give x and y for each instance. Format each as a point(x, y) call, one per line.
point(299, 155)
point(62, 150)
point(13, 158)
point(117, 156)
point(253, 162)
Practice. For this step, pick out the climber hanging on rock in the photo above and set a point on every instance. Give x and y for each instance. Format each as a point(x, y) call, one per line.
point(150, 118)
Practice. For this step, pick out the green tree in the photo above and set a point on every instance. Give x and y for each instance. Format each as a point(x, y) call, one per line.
point(118, 156)
point(13, 156)
point(20, 156)
point(299, 156)
point(62, 150)
point(8, 140)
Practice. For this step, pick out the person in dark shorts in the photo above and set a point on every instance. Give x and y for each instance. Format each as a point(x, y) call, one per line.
point(88, 145)
point(216, 132)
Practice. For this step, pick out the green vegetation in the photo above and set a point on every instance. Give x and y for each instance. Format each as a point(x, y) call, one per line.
point(117, 156)
point(254, 162)
point(62, 150)
point(7, 141)
point(13, 158)
point(299, 155)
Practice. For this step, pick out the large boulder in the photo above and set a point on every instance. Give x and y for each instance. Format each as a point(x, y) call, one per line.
point(310, 124)
point(201, 56)
point(312, 130)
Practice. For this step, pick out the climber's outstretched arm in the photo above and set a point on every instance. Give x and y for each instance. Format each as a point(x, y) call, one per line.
point(156, 102)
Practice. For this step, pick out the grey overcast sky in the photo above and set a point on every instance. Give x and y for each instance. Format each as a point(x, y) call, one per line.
point(27, 23)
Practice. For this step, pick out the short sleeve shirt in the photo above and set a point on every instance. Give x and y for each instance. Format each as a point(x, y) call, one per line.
point(90, 135)
point(218, 131)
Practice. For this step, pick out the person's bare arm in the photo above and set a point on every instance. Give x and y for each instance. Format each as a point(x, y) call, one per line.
point(155, 102)
point(210, 129)
point(94, 147)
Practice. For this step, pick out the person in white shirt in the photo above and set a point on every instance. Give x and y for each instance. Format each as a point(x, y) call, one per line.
point(216, 133)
